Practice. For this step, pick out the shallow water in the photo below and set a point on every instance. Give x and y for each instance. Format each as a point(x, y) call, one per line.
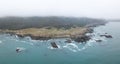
point(40, 52)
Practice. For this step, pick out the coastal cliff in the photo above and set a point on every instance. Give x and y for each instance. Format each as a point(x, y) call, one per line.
point(44, 28)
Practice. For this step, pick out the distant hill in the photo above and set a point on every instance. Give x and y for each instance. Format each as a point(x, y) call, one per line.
point(52, 21)
point(114, 20)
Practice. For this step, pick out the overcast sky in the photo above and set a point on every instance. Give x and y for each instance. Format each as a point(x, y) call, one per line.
point(108, 9)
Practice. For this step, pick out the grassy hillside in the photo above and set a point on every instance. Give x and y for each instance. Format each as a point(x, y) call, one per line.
point(43, 32)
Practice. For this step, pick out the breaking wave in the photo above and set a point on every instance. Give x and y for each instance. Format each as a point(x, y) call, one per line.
point(71, 46)
point(50, 47)
point(74, 46)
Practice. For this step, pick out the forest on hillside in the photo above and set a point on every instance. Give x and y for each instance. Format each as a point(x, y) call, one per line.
point(14, 23)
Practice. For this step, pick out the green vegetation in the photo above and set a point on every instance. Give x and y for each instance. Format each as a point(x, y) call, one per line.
point(14, 23)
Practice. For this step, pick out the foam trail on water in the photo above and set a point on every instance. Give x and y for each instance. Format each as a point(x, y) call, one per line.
point(71, 46)
point(90, 42)
point(26, 42)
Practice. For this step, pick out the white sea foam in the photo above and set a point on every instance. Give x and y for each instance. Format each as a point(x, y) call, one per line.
point(71, 46)
point(31, 44)
point(21, 48)
point(26, 42)
point(23, 41)
point(98, 38)
point(50, 47)
point(16, 36)
point(0, 42)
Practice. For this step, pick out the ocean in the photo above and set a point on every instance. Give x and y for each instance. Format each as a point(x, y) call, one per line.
point(41, 52)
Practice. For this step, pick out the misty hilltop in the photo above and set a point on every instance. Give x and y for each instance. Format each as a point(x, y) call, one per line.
point(52, 21)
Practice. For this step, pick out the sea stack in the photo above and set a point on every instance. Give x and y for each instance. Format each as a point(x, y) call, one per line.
point(54, 45)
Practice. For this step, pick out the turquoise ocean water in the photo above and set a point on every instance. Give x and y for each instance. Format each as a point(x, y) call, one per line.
point(40, 52)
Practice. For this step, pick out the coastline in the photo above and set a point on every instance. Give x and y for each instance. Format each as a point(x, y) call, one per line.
point(77, 34)
point(45, 30)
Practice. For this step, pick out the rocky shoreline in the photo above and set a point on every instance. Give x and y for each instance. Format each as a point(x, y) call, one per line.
point(75, 35)
point(80, 38)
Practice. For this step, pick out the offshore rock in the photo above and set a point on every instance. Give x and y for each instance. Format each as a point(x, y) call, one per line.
point(54, 45)
point(98, 40)
point(107, 36)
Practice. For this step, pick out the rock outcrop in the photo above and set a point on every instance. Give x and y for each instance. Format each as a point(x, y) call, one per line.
point(107, 36)
point(82, 38)
point(54, 45)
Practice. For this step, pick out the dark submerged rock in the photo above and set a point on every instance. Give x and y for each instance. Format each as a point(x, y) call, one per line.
point(106, 33)
point(40, 38)
point(21, 36)
point(17, 50)
point(98, 40)
point(107, 36)
point(54, 45)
